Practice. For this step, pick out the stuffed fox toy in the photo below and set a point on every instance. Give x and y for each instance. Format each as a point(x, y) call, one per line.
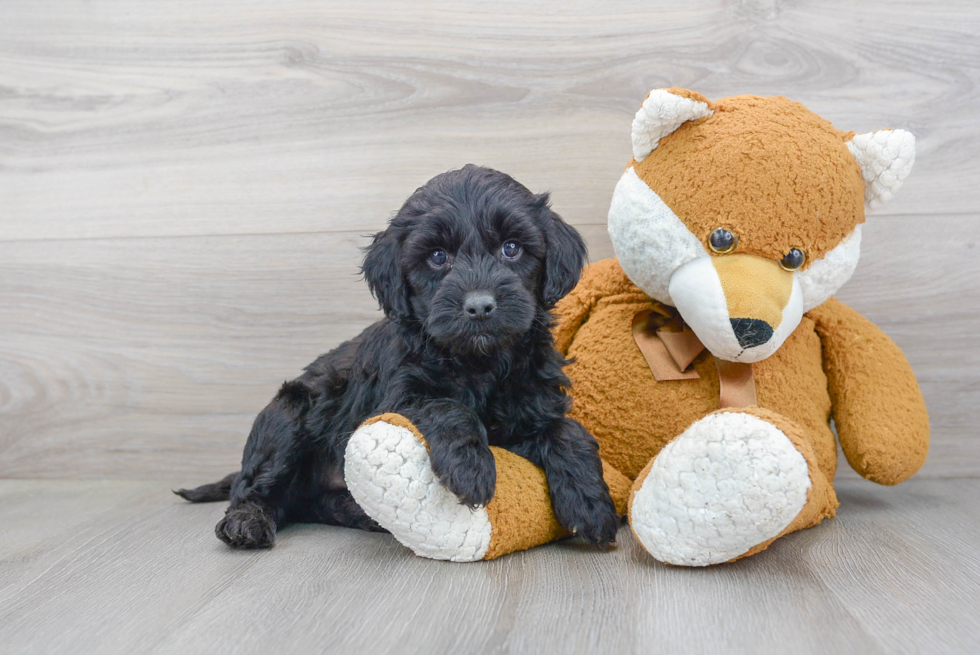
point(709, 356)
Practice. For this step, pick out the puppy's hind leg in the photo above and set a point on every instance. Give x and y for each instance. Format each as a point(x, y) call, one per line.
point(334, 507)
point(269, 464)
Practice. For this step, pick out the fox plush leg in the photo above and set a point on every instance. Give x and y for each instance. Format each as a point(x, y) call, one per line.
point(727, 487)
point(389, 474)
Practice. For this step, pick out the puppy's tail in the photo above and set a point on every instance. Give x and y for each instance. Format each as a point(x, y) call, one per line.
point(209, 493)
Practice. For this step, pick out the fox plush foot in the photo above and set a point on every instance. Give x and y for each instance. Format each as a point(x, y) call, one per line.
point(727, 487)
point(389, 474)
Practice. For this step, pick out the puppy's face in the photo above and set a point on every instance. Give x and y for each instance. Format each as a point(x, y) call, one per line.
point(475, 258)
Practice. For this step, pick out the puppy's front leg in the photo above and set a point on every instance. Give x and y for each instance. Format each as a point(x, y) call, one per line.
point(580, 496)
point(458, 448)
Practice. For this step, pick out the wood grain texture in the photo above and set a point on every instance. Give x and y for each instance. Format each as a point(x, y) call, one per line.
point(149, 357)
point(123, 118)
point(121, 567)
point(125, 356)
point(184, 185)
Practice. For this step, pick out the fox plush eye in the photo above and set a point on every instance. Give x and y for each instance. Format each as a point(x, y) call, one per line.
point(722, 241)
point(510, 250)
point(793, 259)
point(438, 258)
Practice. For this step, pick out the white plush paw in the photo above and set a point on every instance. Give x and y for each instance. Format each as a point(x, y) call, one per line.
point(389, 474)
point(731, 481)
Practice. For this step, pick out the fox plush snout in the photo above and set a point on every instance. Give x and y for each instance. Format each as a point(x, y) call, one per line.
point(742, 307)
point(756, 290)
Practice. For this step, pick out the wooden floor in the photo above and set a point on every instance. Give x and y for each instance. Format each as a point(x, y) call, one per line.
point(125, 567)
point(184, 189)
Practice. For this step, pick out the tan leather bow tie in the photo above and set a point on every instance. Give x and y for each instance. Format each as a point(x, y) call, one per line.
point(669, 347)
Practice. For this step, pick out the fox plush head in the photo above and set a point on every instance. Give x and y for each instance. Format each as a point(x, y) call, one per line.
point(745, 213)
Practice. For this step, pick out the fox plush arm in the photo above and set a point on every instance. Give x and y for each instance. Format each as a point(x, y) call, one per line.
point(878, 408)
point(569, 316)
point(599, 280)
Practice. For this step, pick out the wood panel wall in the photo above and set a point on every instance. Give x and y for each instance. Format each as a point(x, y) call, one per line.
point(185, 185)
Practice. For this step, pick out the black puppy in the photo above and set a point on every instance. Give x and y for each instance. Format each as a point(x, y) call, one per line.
point(467, 273)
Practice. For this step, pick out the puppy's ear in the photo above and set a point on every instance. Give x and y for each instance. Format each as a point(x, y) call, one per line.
point(565, 256)
point(383, 272)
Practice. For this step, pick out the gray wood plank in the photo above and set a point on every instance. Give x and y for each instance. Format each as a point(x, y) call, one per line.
point(898, 571)
point(36, 512)
point(126, 119)
point(888, 549)
point(151, 356)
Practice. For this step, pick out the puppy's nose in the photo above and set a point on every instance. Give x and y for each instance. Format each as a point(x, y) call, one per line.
point(751, 332)
point(478, 305)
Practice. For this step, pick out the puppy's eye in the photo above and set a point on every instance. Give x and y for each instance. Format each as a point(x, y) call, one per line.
point(722, 241)
point(511, 250)
point(438, 258)
point(793, 259)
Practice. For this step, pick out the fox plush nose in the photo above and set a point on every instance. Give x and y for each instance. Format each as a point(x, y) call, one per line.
point(751, 332)
point(479, 305)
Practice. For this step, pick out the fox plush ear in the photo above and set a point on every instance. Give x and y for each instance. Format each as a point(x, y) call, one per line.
point(662, 112)
point(886, 159)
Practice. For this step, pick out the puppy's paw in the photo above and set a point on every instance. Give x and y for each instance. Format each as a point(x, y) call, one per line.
point(247, 527)
point(469, 472)
point(593, 518)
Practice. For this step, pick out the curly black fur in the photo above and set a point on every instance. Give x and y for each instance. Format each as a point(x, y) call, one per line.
point(466, 382)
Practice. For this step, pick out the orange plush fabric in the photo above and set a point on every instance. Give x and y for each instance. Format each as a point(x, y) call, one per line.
point(836, 362)
point(879, 411)
point(633, 416)
point(777, 177)
point(834, 353)
point(738, 170)
point(520, 511)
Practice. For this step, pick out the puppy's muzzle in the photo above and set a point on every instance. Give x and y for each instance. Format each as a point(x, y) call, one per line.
point(479, 305)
